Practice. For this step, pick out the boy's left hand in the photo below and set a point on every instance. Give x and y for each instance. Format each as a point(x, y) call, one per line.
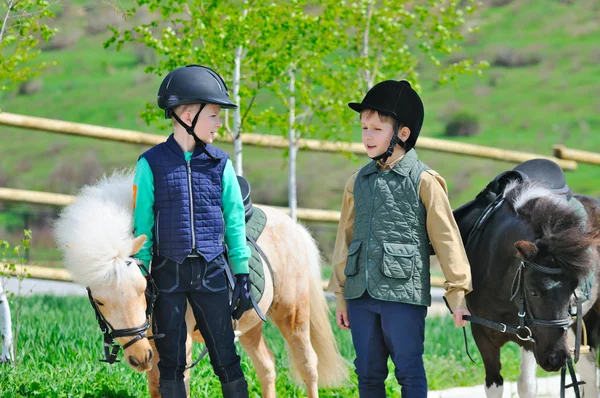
point(458, 317)
point(240, 300)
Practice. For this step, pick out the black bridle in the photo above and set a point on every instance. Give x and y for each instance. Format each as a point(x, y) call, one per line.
point(526, 318)
point(518, 291)
point(111, 349)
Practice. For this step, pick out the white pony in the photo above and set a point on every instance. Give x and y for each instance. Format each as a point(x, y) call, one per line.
point(95, 236)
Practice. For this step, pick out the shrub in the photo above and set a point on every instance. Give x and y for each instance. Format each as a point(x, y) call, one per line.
point(511, 58)
point(31, 87)
point(462, 124)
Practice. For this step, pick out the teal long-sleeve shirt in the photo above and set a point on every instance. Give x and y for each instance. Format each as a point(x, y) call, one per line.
point(233, 214)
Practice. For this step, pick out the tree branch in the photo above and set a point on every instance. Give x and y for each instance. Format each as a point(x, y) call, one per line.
point(206, 19)
point(187, 9)
point(10, 5)
point(31, 14)
point(248, 109)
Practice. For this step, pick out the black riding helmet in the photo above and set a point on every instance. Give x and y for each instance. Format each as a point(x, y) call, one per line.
point(399, 100)
point(193, 84)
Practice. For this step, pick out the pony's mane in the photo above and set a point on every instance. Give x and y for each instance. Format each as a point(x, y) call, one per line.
point(561, 230)
point(95, 234)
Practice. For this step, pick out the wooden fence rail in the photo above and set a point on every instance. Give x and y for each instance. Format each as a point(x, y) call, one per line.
point(273, 141)
point(562, 152)
point(55, 199)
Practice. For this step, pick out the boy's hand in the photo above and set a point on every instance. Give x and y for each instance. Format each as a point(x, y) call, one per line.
point(342, 319)
point(240, 300)
point(458, 317)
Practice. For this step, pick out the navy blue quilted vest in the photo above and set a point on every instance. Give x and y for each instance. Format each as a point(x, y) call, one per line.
point(188, 199)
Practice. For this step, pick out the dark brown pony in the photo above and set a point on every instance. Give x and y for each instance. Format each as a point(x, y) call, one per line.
point(531, 251)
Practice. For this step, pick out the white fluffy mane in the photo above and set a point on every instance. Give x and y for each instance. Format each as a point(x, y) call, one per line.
point(524, 192)
point(95, 233)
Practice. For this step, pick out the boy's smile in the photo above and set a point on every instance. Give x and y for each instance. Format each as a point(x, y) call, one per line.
point(209, 123)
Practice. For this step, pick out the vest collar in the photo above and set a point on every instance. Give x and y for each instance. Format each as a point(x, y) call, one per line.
point(402, 168)
point(198, 154)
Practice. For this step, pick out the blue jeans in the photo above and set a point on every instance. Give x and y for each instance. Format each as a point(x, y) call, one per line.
point(383, 329)
point(204, 285)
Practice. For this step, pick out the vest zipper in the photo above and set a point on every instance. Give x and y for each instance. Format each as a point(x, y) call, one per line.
point(157, 234)
point(189, 173)
point(224, 228)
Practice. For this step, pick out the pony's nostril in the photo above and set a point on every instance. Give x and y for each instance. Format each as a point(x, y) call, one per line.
point(133, 362)
point(556, 360)
point(150, 355)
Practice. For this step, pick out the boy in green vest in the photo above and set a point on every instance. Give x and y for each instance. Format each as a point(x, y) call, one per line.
point(392, 209)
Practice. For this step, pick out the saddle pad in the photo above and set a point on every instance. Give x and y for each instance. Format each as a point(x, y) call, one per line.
point(254, 228)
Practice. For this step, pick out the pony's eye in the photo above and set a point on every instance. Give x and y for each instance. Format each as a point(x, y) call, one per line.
point(534, 294)
point(98, 303)
point(128, 263)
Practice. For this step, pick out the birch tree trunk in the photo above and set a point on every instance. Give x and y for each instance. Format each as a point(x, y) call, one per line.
point(368, 76)
point(7, 355)
point(293, 149)
point(237, 114)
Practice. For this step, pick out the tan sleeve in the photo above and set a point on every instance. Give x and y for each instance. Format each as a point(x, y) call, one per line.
point(445, 238)
point(342, 242)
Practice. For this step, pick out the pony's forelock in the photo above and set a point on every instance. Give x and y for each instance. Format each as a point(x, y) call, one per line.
point(94, 233)
point(561, 232)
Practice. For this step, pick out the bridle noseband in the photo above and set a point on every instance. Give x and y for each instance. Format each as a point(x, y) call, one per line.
point(518, 291)
point(111, 349)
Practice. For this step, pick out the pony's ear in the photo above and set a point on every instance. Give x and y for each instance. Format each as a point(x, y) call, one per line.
point(526, 249)
point(137, 244)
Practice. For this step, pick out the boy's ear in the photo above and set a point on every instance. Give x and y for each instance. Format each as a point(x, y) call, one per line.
point(404, 133)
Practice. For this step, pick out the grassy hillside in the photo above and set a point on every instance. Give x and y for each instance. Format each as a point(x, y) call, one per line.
point(542, 89)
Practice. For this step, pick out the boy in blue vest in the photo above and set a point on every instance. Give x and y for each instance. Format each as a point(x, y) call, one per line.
point(392, 209)
point(188, 203)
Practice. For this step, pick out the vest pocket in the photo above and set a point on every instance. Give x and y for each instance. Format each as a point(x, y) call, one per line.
point(213, 275)
point(398, 260)
point(165, 274)
point(352, 261)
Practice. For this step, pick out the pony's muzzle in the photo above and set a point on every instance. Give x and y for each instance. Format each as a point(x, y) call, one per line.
point(555, 361)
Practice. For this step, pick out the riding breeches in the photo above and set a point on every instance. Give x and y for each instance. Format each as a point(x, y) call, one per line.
point(204, 286)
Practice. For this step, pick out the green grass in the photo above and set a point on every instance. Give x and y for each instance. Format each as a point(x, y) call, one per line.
point(60, 344)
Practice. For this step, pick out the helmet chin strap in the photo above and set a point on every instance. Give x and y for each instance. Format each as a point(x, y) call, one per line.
point(390, 150)
point(190, 130)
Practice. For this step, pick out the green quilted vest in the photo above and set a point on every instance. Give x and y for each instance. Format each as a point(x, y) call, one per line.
point(389, 253)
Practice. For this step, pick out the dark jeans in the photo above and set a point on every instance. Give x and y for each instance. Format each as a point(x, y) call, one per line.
point(204, 285)
point(382, 329)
